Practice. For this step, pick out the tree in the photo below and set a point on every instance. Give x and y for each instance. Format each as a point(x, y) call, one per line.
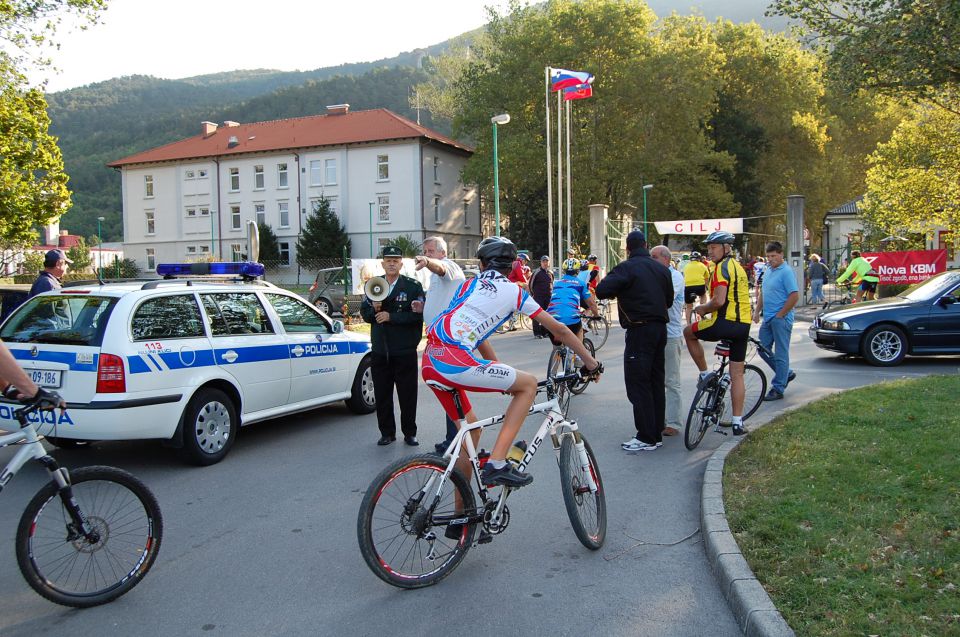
point(32, 262)
point(30, 25)
point(323, 236)
point(80, 255)
point(892, 45)
point(269, 246)
point(121, 269)
point(408, 245)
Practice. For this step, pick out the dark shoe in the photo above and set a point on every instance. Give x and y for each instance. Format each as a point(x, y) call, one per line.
point(791, 377)
point(506, 476)
point(386, 440)
point(738, 430)
point(441, 447)
point(411, 441)
point(670, 431)
point(773, 394)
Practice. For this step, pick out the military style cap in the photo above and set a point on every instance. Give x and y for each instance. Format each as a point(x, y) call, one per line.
point(391, 251)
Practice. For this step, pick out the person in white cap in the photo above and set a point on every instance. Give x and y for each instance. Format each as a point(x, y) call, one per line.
point(54, 267)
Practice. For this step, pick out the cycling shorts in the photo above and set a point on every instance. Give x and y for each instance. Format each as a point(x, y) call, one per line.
point(576, 328)
point(868, 286)
point(691, 292)
point(717, 329)
point(463, 371)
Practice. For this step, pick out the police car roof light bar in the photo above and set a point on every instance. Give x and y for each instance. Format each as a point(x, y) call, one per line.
point(246, 270)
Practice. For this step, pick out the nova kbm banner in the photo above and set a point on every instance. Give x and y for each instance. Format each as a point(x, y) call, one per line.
point(700, 226)
point(911, 266)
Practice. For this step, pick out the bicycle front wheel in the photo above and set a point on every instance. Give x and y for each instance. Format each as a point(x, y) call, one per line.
point(700, 417)
point(599, 330)
point(68, 568)
point(398, 537)
point(587, 510)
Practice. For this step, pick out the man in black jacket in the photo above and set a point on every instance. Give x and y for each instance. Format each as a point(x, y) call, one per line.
point(395, 332)
point(644, 292)
point(541, 287)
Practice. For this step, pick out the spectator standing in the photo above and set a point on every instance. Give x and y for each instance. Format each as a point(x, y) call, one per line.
point(541, 287)
point(445, 277)
point(671, 356)
point(644, 290)
point(395, 332)
point(55, 264)
point(696, 275)
point(817, 275)
point(519, 274)
point(778, 295)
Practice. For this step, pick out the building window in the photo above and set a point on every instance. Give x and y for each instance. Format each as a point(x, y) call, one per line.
point(191, 250)
point(466, 213)
point(330, 167)
point(281, 175)
point(436, 169)
point(260, 213)
point(234, 217)
point(284, 253)
point(316, 175)
point(204, 212)
point(436, 209)
point(236, 252)
point(202, 173)
point(151, 259)
point(188, 175)
point(258, 177)
point(383, 242)
point(204, 249)
point(383, 207)
point(191, 212)
point(383, 167)
point(284, 209)
point(332, 201)
point(148, 186)
point(151, 228)
point(234, 179)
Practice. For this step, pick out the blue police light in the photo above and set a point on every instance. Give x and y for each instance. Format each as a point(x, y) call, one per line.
point(243, 269)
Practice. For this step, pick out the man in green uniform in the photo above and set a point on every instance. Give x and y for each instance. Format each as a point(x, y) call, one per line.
point(396, 330)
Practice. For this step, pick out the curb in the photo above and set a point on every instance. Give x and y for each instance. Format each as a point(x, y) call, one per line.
point(752, 607)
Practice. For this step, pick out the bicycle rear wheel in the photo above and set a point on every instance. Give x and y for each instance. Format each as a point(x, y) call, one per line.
point(755, 388)
point(587, 510)
point(599, 330)
point(579, 386)
point(700, 417)
point(67, 568)
point(395, 529)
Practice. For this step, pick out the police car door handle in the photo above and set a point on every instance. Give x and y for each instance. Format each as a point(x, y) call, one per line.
point(230, 356)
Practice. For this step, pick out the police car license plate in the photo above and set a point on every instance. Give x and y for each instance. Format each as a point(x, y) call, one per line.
point(45, 377)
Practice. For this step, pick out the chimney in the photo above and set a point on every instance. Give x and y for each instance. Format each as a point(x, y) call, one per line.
point(231, 124)
point(51, 232)
point(338, 109)
point(209, 128)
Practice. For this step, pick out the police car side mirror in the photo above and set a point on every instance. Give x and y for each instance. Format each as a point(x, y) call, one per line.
point(337, 327)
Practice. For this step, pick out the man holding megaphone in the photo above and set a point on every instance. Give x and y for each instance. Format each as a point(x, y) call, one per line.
point(394, 308)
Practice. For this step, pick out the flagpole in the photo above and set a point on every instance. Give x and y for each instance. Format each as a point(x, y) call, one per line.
point(560, 252)
point(569, 201)
point(546, 99)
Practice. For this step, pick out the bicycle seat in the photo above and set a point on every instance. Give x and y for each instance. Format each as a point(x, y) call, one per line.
point(438, 385)
point(723, 348)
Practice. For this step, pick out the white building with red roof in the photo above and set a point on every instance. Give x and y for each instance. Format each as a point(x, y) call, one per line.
point(384, 175)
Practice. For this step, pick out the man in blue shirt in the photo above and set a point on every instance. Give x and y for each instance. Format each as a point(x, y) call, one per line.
point(569, 294)
point(54, 267)
point(778, 294)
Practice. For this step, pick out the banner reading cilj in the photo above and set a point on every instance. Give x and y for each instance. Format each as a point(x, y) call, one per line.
point(907, 266)
point(700, 226)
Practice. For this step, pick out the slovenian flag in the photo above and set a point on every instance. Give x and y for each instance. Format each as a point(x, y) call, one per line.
point(577, 92)
point(562, 78)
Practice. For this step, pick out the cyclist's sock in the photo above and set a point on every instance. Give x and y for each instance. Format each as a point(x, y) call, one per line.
point(737, 421)
point(497, 464)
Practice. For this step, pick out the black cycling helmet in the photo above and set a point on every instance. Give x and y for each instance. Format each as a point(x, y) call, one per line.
point(695, 256)
point(497, 252)
point(592, 257)
point(720, 237)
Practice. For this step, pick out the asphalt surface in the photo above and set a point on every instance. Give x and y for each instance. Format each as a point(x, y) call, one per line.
point(264, 543)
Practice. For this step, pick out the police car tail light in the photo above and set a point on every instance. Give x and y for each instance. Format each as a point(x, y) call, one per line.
point(110, 375)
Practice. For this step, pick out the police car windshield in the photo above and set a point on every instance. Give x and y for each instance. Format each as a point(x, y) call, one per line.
point(60, 319)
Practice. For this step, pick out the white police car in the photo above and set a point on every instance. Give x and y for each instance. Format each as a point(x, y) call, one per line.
point(183, 360)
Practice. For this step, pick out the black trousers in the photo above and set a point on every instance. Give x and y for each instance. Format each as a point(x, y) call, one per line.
point(644, 377)
point(400, 371)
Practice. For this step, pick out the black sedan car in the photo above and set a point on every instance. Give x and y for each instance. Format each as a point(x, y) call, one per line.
point(922, 320)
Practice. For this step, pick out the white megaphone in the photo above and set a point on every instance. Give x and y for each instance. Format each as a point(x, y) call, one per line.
point(376, 289)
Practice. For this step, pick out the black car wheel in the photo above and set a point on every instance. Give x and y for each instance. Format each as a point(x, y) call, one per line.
point(324, 304)
point(884, 345)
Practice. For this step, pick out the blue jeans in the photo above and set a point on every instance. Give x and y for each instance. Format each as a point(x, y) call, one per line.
point(816, 291)
point(775, 336)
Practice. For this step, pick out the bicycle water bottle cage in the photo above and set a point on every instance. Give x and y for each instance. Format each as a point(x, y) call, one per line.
point(723, 349)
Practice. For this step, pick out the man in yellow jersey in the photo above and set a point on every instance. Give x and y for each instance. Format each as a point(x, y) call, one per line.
point(695, 279)
point(729, 305)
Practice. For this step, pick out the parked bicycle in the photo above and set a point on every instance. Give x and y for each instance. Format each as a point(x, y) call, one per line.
point(711, 405)
point(414, 528)
point(88, 536)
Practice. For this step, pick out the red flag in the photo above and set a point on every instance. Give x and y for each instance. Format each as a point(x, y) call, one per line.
point(578, 92)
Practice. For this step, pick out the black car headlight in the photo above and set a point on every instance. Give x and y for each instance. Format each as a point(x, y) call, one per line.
point(834, 325)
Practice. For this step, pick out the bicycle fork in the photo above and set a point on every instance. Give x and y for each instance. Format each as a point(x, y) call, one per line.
point(78, 526)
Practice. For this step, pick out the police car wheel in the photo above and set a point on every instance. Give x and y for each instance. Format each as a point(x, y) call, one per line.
point(67, 443)
point(210, 425)
point(362, 400)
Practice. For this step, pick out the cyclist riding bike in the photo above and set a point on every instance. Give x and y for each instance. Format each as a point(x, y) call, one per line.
point(729, 305)
point(863, 272)
point(480, 306)
point(569, 293)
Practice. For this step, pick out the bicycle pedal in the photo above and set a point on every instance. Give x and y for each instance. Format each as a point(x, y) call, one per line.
point(485, 538)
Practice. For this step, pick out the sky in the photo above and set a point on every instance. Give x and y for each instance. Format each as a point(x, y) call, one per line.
point(182, 38)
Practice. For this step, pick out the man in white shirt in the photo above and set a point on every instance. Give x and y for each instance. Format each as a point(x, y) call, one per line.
point(674, 340)
point(445, 277)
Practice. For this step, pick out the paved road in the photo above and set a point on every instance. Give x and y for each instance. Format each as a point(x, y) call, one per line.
point(265, 542)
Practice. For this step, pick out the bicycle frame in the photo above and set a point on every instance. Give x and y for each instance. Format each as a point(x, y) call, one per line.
point(32, 450)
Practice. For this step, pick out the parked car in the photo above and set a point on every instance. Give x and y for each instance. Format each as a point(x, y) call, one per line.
point(327, 292)
point(183, 361)
point(922, 320)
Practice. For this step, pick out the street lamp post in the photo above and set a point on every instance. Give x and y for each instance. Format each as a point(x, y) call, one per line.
point(372, 255)
point(494, 121)
point(645, 189)
point(99, 250)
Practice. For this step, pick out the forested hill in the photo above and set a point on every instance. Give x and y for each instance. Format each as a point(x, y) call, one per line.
point(109, 120)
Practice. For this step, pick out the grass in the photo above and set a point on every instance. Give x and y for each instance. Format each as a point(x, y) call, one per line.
point(848, 510)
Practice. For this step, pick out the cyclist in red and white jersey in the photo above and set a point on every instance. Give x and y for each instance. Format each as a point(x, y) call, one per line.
point(477, 309)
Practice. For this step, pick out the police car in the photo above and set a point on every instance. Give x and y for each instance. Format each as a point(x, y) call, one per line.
point(184, 360)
